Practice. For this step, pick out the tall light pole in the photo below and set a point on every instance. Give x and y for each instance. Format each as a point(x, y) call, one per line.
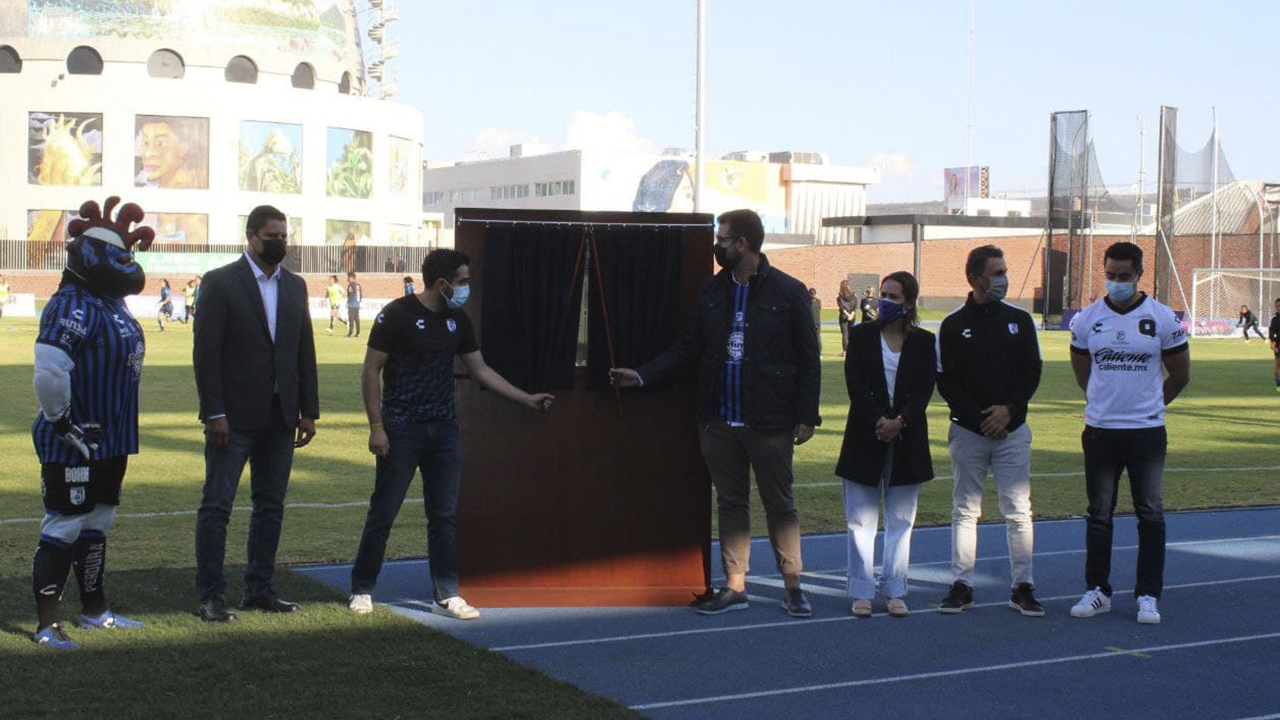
point(699, 142)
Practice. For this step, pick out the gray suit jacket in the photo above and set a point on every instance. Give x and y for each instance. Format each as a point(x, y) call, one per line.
point(238, 368)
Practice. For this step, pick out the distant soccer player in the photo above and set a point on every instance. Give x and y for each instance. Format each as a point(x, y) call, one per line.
point(189, 301)
point(1274, 333)
point(1121, 347)
point(1248, 321)
point(355, 293)
point(165, 304)
point(336, 295)
point(88, 363)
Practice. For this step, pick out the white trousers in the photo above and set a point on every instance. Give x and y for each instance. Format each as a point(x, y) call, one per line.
point(1009, 460)
point(862, 512)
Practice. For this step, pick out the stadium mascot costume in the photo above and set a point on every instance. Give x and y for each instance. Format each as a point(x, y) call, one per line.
point(88, 363)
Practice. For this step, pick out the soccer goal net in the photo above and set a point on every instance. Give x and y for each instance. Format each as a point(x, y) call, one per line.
point(1219, 296)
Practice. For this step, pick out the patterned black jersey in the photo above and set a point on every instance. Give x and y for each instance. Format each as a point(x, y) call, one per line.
point(107, 346)
point(417, 380)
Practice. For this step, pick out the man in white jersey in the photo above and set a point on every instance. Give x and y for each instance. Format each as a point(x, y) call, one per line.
point(1121, 347)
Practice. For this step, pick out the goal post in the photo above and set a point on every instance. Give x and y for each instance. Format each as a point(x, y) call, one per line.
point(1217, 295)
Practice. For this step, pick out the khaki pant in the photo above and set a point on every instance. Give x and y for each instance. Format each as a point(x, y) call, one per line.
point(1009, 461)
point(730, 453)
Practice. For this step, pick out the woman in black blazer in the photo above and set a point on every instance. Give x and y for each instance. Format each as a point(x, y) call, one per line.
point(890, 370)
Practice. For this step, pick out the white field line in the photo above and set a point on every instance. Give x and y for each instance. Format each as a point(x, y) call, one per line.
point(841, 618)
point(238, 508)
point(959, 671)
point(1274, 716)
point(1078, 473)
point(836, 483)
point(825, 574)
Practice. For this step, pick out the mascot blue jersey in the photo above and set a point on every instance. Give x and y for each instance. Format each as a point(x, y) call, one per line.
point(106, 344)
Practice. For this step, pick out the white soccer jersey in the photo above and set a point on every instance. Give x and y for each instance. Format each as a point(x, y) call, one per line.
point(1126, 349)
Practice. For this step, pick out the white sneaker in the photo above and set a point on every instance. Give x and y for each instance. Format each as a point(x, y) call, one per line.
point(1092, 603)
point(456, 608)
point(361, 604)
point(1148, 613)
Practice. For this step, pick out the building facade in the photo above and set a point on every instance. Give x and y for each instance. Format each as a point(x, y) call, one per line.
point(199, 112)
point(791, 196)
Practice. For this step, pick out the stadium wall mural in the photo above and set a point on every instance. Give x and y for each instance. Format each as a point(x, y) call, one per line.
point(64, 148)
point(178, 228)
point(350, 162)
point(402, 164)
point(270, 157)
point(171, 152)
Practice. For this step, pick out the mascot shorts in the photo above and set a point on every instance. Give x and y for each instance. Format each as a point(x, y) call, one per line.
point(77, 489)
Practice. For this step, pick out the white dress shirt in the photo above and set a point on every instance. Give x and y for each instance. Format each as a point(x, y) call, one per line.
point(269, 287)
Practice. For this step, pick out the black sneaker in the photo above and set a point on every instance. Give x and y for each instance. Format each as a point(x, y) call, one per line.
point(958, 599)
point(723, 601)
point(1022, 600)
point(797, 604)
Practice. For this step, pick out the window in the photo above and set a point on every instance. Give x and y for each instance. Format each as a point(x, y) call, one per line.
point(242, 70)
point(166, 64)
point(344, 85)
point(304, 76)
point(10, 61)
point(84, 60)
point(551, 189)
point(434, 197)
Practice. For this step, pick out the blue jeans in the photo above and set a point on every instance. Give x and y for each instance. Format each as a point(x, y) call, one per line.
point(1106, 454)
point(435, 448)
point(270, 456)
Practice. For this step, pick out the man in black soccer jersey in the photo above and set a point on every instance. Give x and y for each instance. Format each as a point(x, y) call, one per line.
point(88, 363)
point(413, 422)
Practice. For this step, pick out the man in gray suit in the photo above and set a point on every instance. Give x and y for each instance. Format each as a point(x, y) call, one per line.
point(255, 365)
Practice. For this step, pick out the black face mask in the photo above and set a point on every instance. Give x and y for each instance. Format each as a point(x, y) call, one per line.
point(722, 257)
point(273, 251)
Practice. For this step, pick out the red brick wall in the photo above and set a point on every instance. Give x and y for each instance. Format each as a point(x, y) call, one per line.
point(941, 265)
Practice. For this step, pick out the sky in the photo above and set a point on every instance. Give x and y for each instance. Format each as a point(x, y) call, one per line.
point(868, 82)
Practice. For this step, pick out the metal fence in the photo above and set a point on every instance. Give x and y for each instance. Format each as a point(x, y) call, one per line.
point(323, 259)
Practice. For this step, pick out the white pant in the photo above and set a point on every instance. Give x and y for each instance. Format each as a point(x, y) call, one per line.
point(862, 512)
point(1010, 462)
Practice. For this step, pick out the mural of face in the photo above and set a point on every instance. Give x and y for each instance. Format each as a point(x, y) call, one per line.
point(163, 155)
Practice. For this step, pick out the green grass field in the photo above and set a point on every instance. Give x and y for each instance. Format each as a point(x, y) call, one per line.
point(321, 663)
